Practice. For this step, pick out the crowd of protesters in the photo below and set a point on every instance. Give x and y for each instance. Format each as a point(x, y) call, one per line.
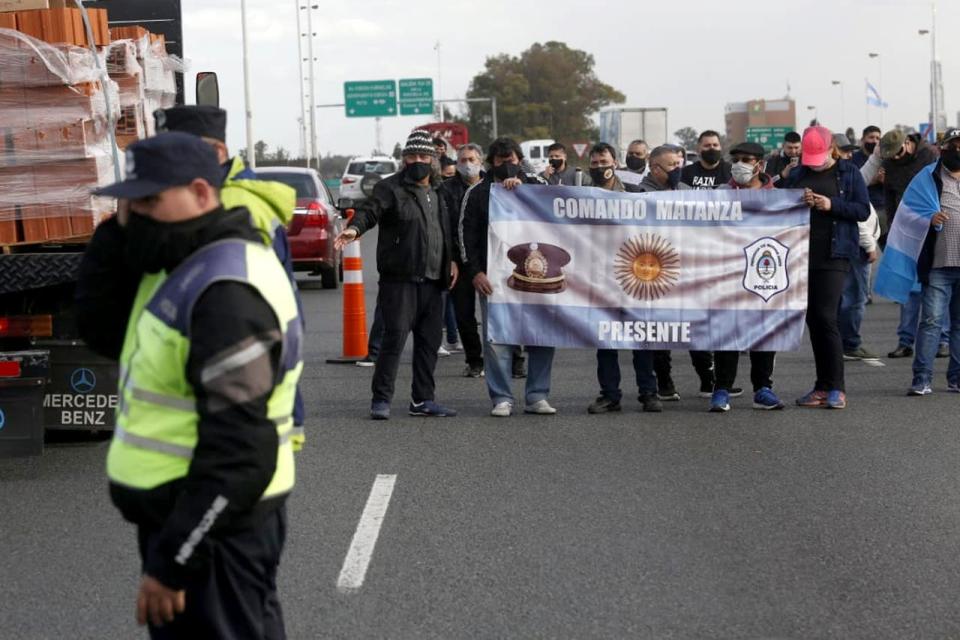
point(433, 216)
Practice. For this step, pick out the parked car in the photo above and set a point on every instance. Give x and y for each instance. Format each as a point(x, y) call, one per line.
point(361, 173)
point(314, 223)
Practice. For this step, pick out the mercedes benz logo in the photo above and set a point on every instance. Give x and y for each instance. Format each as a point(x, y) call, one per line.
point(83, 381)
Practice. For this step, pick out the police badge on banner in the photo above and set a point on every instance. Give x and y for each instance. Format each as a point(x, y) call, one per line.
point(704, 270)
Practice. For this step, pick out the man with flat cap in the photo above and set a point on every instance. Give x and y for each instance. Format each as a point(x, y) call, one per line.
point(204, 322)
point(270, 204)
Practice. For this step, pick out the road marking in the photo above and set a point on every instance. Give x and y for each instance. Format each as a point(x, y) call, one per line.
point(365, 539)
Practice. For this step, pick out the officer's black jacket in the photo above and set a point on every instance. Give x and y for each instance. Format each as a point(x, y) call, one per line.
point(236, 453)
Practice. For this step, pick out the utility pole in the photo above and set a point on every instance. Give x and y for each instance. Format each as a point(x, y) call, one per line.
point(843, 115)
point(313, 88)
point(439, 93)
point(302, 123)
point(251, 154)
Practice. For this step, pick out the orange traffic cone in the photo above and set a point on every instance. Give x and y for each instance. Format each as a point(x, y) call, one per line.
point(354, 306)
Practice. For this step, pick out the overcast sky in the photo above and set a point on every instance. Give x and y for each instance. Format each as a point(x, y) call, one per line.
point(691, 56)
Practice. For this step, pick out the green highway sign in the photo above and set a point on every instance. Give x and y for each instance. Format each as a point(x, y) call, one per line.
point(416, 96)
point(370, 99)
point(769, 137)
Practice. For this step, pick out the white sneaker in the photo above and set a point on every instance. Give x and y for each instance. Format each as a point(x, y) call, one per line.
point(541, 408)
point(443, 353)
point(502, 410)
point(456, 347)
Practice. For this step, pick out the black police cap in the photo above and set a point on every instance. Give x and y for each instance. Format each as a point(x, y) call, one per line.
point(201, 120)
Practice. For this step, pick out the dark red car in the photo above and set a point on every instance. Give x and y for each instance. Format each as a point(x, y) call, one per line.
point(313, 227)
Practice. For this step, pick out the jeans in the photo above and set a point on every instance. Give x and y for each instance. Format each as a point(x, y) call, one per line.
point(940, 295)
point(853, 302)
point(608, 373)
point(498, 367)
point(910, 318)
point(414, 307)
point(450, 318)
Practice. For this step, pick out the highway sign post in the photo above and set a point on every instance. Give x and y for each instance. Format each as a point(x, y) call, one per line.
point(416, 96)
point(769, 137)
point(370, 99)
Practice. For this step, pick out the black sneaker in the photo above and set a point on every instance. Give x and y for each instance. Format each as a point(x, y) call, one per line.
point(902, 351)
point(473, 371)
point(651, 402)
point(519, 369)
point(603, 405)
point(943, 351)
point(706, 388)
point(859, 354)
point(668, 392)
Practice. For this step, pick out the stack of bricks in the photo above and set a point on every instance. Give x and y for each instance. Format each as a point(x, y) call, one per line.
point(156, 74)
point(54, 142)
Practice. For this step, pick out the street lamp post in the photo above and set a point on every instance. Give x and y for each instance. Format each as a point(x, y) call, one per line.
point(934, 71)
point(816, 118)
point(879, 81)
point(251, 156)
point(313, 87)
point(843, 114)
point(302, 122)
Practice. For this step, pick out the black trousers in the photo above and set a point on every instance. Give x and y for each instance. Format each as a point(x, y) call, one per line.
point(236, 599)
point(465, 306)
point(408, 307)
point(702, 363)
point(761, 369)
point(823, 299)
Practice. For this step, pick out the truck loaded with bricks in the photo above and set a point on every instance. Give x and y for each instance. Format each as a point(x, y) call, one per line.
point(77, 85)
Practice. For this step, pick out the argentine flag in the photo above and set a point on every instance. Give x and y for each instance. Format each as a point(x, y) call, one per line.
point(873, 97)
point(897, 274)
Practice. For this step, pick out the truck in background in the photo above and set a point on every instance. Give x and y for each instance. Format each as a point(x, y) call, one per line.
point(535, 152)
point(59, 142)
point(620, 126)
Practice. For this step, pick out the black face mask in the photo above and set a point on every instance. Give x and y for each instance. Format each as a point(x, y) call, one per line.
point(556, 163)
point(711, 156)
point(506, 170)
point(950, 159)
point(636, 164)
point(673, 178)
point(160, 246)
point(417, 171)
point(869, 147)
point(601, 175)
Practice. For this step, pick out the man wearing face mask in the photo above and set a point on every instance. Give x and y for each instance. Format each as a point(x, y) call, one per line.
point(504, 158)
point(903, 158)
point(780, 164)
point(210, 354)
point(469, 173)
point(746, 171)
point(868, 145)
point(938, 269)
point(711, 170)
point(603, 164)
point(558, 171)
point(415, 258)
point(270, 204)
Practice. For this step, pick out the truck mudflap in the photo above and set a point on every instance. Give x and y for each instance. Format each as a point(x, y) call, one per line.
point(23, 375)
point(81, 391)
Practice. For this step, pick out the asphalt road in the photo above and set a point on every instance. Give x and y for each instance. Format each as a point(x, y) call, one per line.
point(793, 524)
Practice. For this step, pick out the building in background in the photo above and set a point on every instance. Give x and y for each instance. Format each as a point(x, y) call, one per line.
point(762, 121)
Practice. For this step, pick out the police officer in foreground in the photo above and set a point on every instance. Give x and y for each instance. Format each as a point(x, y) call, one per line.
point(270, 203)
point(204, 322)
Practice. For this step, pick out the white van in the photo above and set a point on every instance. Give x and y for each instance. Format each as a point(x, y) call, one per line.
point(535, 151)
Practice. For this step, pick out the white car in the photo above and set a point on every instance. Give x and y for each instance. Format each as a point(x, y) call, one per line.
point(361, 173)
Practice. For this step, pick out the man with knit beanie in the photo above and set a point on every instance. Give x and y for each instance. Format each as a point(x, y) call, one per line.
point(415, 261)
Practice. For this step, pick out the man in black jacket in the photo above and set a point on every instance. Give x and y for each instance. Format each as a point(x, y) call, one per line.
point(710, 170)
point(469, 173)
point(781, 163)
point(415, 260)
point(211, 534)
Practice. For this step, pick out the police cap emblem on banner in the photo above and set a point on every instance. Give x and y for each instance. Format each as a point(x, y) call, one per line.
point(539, 268)
point(766, 269)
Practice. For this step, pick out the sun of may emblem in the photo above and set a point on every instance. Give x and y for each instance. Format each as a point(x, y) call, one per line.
point(647, 266)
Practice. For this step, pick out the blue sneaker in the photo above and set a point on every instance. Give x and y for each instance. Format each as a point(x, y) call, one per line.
point(380, 410)
point(836, 399)
point(720, 401)
point(766, 400)
point(430, 409)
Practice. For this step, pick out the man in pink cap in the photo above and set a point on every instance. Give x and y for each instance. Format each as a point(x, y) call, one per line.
point(838, 200)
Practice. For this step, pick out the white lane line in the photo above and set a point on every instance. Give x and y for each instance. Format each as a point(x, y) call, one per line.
point(365, 539)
